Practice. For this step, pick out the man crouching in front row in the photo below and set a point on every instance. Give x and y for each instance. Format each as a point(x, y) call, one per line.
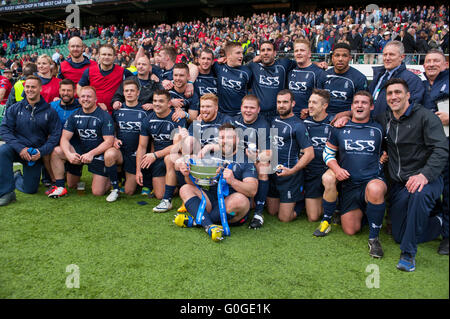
point(242, 180)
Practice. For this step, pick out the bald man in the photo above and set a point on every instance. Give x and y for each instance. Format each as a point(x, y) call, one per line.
point(147, 85)
point(73, 67)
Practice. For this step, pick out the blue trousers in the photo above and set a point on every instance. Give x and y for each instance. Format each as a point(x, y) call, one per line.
point(28, 183)
point(445, 204)
point(410, 215)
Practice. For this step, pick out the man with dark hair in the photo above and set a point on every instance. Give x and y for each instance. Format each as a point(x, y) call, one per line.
point(242, 181)
point(158, 132)
point(269, 78)
point(357, 166)
point(206, 81)
point(128, 122)
point(17, 92)
point(184, 106)
point(342, 81)
point(318, 126)
point(65, 106)
point(417, 147)
point(26, 143)
point(289, 137)
point(254, 129)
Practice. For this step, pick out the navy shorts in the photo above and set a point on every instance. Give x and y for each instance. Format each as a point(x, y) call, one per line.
point(313, 186)
point(289, 189)
point(97, 166)
point(353, 196)
point(75, 170)
point(157, 169)
point(180, 179)
point(129, 162)
point(212, 196)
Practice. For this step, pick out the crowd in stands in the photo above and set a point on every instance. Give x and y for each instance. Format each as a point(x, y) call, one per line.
point(418, 28)
point(15, 2)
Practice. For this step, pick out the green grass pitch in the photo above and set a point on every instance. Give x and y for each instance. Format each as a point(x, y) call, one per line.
point(124, 250)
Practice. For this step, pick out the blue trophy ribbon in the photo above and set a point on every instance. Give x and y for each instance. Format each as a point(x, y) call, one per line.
point(223, 191)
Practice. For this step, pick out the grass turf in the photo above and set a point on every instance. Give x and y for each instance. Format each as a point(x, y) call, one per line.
point(124, 250)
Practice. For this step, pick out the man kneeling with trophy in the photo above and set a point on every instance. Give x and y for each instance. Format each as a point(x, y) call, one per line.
point(218, 189)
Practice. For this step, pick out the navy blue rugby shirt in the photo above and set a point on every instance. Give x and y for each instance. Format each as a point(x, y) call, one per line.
point(359, 149)
point(342, 87)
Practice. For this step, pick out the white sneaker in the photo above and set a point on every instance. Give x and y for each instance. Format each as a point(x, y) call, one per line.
point(163, 206)
point(58, 192)
point(113, 196)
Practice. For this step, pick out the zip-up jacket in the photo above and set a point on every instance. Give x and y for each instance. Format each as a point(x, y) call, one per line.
point(145, 94)
point(436, 92)
point(416, 143)
point(26, 126)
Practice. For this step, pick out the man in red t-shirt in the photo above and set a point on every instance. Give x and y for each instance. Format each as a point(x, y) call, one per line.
point(5, 86)
point(105, 77)
point(125, 47)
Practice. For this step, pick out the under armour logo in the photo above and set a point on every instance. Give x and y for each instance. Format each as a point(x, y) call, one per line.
point(346, 131)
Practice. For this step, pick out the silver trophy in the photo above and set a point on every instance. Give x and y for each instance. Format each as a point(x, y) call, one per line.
point(206, 171)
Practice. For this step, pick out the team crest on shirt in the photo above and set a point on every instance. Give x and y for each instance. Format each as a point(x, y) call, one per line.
point(372, 133)
point(346, 85)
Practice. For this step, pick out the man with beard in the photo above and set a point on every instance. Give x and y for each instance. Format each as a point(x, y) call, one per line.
point(269, 78)
point(241, 178)
point(65, 106)
point(291, 137)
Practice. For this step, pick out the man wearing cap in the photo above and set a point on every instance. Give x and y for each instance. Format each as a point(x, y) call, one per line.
point(382, 43)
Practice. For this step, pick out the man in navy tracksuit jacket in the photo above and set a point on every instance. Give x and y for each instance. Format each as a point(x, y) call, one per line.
point(436, 90)
point(29, 127)
point(393, 67)
point(417, 148)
